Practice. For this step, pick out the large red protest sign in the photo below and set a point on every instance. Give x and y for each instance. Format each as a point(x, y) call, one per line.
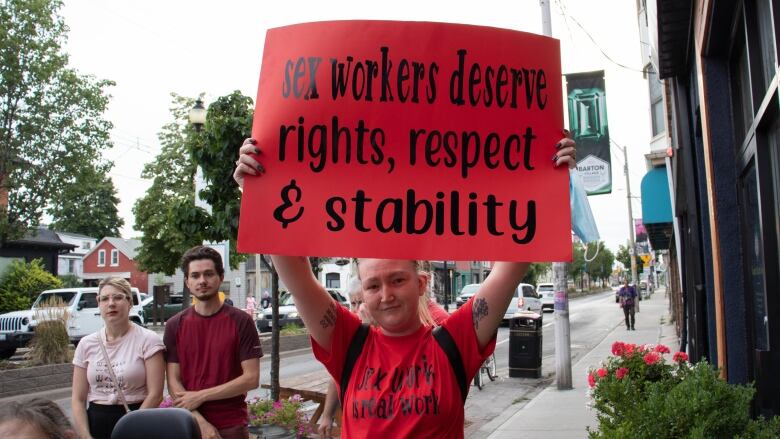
point(408, 140)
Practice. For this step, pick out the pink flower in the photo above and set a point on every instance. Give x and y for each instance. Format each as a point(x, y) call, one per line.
point(602, 372)
point(680, 357)
point(661, 349)
point(277, 405)
point(166, 403)
point(630, 348)
point(618, 348)
point(621, 372)
point(591, 380)
point(651, 358)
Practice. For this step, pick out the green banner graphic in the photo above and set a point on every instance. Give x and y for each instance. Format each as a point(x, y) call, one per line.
point(588, 125)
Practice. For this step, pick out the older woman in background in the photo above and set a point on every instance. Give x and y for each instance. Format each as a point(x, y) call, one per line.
point(133, 376)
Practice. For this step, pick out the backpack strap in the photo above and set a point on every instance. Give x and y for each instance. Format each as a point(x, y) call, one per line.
point(444, 339)
point(353, 352)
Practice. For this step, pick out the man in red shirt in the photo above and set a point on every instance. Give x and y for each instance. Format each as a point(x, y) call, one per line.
point(213, 352)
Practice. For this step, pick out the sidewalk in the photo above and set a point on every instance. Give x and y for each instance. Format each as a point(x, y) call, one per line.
point(564, 413)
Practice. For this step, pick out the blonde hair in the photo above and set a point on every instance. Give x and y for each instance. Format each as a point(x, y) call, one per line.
point(119, 283)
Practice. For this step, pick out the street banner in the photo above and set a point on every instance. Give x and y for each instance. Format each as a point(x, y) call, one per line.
point(587, 101)
point(408, 140)
point(642, 240)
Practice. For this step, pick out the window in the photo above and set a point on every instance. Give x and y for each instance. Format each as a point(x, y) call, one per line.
point(754, 256)
point(656, 102)
point(86, 245)
point(101, 258)
point(88, 300)
point(114, 257)
point(766, 37)
point(741, 101)
point(71, 265)
point(332, 280)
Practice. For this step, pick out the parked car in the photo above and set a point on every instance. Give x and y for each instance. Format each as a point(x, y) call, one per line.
point(339, 298)
point(525, 299)
point(288, 314)
point(17, 327)
point(546, 292)
point(174, 305)
point(466, 293)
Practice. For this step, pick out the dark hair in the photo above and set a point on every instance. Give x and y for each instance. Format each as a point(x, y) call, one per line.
point(42, 413)
point(201, 252)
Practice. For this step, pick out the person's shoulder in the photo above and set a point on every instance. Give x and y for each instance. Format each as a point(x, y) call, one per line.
point(92, 338)
point(147, 333)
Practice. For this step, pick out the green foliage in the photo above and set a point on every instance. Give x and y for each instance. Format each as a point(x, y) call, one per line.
point(88, 206)
point(577, 265)
point(535, 271)
point(601, 265)
point(70, 281)
point(21, 284)
point(624, 257)
point(293, 329)
point(50, 343)
point(637, 393)
point(51, 123)
point(167, 215)
point(228, 123)
point(285, 413)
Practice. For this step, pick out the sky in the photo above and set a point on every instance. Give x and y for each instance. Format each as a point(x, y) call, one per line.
point(154, 48)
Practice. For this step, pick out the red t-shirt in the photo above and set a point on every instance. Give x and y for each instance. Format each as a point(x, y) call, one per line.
point(209, 350)
point(437, 312)
point(403, 386)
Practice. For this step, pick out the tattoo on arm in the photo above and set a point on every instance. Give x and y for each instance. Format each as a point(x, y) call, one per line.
point(329, 319)
point(479, 310)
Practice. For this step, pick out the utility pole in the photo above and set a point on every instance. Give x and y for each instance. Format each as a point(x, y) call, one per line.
point(632, 248)
point(562, 327)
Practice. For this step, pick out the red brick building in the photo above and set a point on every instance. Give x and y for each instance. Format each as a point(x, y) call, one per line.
point(114, 257)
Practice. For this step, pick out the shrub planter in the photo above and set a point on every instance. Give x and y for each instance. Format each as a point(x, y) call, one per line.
point(35, 379)
point(286, 343)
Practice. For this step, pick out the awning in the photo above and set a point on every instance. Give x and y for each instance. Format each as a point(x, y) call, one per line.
point(657, 208)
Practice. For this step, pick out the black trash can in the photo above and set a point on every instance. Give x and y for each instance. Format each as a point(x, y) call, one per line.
point(525, 346)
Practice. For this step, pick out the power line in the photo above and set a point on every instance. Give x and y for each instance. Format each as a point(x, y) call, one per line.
point(609, 58)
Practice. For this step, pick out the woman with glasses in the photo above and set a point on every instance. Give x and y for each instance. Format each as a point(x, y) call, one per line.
point(118, 368)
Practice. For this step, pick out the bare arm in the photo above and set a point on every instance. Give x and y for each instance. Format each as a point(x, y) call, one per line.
point(492, 299)
point(329, 411)
point(78, 402)
point(175, 387)
point(248, 380)
point(315, 306)
point(155, 376)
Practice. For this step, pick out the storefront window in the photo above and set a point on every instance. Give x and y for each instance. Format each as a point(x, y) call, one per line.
point(754, 256)
point(741, 102)
point(766, 37)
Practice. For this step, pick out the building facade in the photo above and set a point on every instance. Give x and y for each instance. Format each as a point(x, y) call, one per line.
point(114, 257)
point(72, 262)
point(719, 64)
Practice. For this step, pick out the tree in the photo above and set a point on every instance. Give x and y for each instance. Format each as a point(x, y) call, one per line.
point(22, 282)
point(577, 264)
point(600, 267)
point(92, 189)
point(167, 215)
point(51, 123)
point(623, 257)
point(535, 271)
point(228, 123)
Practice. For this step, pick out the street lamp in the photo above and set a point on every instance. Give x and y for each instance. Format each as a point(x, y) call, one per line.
point(198, 115)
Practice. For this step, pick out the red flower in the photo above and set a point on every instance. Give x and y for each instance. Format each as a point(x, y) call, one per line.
point(602, 372)
point(621, 372)
point(591, 380)
point(661, 349)
point(651, 358)
point(630, 348)
point(680, 357)
point(618, 348)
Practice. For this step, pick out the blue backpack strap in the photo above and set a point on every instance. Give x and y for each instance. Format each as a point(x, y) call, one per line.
point(444, 339)
point(353, 352)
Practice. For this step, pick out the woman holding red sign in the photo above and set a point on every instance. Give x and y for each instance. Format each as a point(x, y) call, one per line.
point(401, 378)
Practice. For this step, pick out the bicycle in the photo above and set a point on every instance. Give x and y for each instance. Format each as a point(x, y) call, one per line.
point(489, 367)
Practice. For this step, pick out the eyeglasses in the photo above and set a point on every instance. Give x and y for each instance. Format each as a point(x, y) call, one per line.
point(114, 297)
point(356, 303)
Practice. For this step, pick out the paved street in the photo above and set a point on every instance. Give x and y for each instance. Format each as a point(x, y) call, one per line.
point(591, 318)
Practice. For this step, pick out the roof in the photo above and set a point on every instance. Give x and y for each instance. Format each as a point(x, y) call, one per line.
point(129, 247)
point(41, 237)
point(75, 235)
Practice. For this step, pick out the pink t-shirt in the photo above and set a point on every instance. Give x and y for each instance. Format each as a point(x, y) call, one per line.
point(127, 354)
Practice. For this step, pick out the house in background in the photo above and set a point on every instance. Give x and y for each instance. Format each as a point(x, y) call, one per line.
point(72, 262)
point(114, 257)
point(40, 243)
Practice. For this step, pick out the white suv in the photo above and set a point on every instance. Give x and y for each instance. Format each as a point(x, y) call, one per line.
point(525, 299)
point(17, 327)
point(546, 292)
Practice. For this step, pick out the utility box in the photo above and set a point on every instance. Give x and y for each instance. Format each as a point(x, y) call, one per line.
point(525, 346)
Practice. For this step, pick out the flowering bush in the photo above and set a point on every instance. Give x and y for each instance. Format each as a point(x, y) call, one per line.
point(637, 393)
point(167, 402)
point(284, 413)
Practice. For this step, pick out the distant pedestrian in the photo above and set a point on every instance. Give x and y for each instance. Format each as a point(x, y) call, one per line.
point(251, 304)
point(627, 295)
point(265, 300)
